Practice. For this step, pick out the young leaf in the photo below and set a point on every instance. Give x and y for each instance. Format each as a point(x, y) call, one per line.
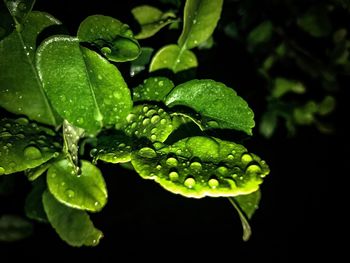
point(151, 20)
point(72, 225)
point(174, 58)
point(200, 19)
point(139, 64)
point(83, 87)
point(202, 166)
point(283, 86)
point(248, 203)
point(261, 34)
point(25, 145)
point(222, 109)
point(86, 191)
point(21, 90)
point(115, 39)
point(13, 228)
point(33, 207)
point(153, 89)
point(19, 9)
point(247, 231)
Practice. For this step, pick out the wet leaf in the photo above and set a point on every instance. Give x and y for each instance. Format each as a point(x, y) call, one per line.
point(13, 228)
point(84, 88)
point(139, 64)
point(248, 203)
point(202, 166)
point(247, 231)
point(153, 89)
point(7, 23)
point(21, 91)
point(283, 86)
point(72, 225)
point(222, 109)
point(19, 9)
point(25, 145)
point(174, 58)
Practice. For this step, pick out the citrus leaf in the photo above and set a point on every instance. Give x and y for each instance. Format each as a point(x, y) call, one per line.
point(200, 19)
point(114, 39)
point(72, 225)
point(84, 88)
point(247, 231)
point(151, 20)
point(248, 203)
point(222, 109)
point(33, 207)
point(202, 166)
point(21, 91)
point(174, 58)
point(139, 64)
point(25, 145)
point(13, 228)
point(283, 86)
point(86, 191)
point(153, 89)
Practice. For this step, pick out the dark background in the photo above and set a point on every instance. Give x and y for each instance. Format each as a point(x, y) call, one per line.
point(300, 216)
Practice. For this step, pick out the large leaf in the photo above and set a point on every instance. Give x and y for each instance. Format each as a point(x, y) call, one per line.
point(72, 225)
point(115, 39)
point(13, 228)
point(151, 20)
point(200, 19)
point(174, 58)
point(25, 145)
point(84, 88)
point(21, 90)
point(218, 105)
point(153, 89)
point(86, 191)
point(201, 166)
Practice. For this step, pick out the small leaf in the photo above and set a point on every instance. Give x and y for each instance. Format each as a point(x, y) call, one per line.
point(174, 58)
point(151, 20)
point(150, 122)
point(86, 191)
point(260, 34)
point(200, 19)
point(327, 105)
point(13, 228)
point(19, 9)
point(247, 231)
point(21, 90)
point(153, 89)
point(222, 109)
point(248, 203)
point(283, 86)
point(84, 88)
point(268, 123)
point(72, 225)
point(201, 166)
point(33, 207)
point(139, 64)
point(115, 39)
point(316, 21)
point(305, 115)
point(25, 145)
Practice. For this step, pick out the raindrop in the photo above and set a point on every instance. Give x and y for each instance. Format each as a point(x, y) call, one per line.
point(121, 145)
point(98, 116)
point(96, 204)
point(32, 153)
point(151, 112)
point(222, 170)
point(99, 77)
point(145, 109)
point(163, 121)
point(253, 169)
point(80, 120)
point(70, 193)
point(194, 21)
point(190, 182)
point(173, 176)
point(213, 183)
point(131, 117)
point(196, 166)
point(5, 134)
point(171, 161)
point(161, 83)
point(246, 158)
point(22, 121)
point(158, 167)
point(155, 119)
point(147, 152)
point(146, 121)
point(153, 137)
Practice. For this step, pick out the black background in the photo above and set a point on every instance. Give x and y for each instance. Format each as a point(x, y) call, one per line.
point(300, 215)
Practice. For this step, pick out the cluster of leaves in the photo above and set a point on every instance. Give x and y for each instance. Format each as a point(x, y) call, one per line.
point(69, 93)
point(300, 51)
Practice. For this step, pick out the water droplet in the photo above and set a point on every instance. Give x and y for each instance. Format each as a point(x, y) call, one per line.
point(80, 120)
point(155, 119)
point(196, 166)
point(133, 126)
point(151, 112)
point(194, 21)
point(32, 153)
point(99, 76)
point(160, 111)
point(246, 158)
point(20, 135)
point(2, 170)
point(145, 109)
point(121, 145)
point(230, 157)
point(213, 124)
point(253, 169)
point(173, 176)
point(163, 121)
point(131, 117)
point(98, 116)
point(222, 170)
point(158, 167)
point(5, 134)
point(190, 182)
point(70, 193)
point(161, 83)
point(96, 204)
point(146, 121)
point(147, 152)
point(53, 175)
point(213, 183)
point(22, 121)
point(171, 161)
point(153, 137)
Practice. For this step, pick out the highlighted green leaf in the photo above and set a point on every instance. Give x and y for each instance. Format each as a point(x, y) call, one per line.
point(25, 145)
point(174, 58)
point(248, 203)
point(85, 191)
point(151, 20)
point(72, 225)
point(153, 89)
point(202, 166)
point(200, 19)
point(21, 91)
point(83, 87)
point(114, 39)
point(222, 109)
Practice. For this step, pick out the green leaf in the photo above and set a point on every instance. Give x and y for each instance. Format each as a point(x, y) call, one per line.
point(247, 231)
point(305, 115)
point(72, 225)
point(248, 203)
point(151, 20)
point(150, 122)
point(25, 145)
point(21, 90)
point(19, 9)
point(260, 34)
point(200, 19)
point(153, 89)
point(7, 23)
point(13, 228)
point(83, 87)
point(174, 58)
point(222, 109)
point(139, 64)
point(268, 123)
point(113, 147)
point(202, 166)
point(115, 39)
point(86, 191)
point(316, 21)
point(33, 207)
point(282, 86)
point(327, 105)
